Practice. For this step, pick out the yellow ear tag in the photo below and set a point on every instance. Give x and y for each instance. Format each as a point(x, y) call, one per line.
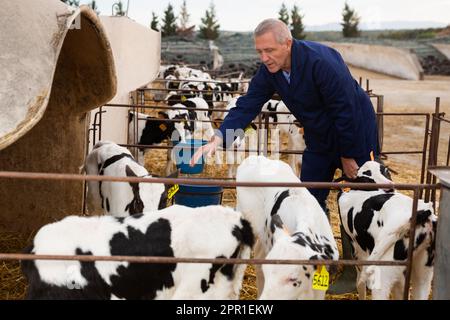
point(171, 192)
point(249, 129)
point(347, 189)
point(372, 158)
point(321, 279)
point(163, 127)
point(183, 98)
point(301, 130)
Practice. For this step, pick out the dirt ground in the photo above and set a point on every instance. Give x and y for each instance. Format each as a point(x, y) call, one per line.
point(406, 133)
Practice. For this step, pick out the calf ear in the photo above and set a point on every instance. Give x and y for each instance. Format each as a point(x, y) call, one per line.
point(278, 228)
point(332, 268)
point(129, 172)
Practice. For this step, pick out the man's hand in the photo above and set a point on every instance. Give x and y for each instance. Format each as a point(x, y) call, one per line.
point(350, 167)
point(209, 149)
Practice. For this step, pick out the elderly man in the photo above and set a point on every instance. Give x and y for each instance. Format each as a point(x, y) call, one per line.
point(315, 84)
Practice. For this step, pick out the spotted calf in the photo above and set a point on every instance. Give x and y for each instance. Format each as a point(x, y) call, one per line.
point(377, 223)
point(120, 199)
point(274, 210)
point(291, 128)
point(177, 231)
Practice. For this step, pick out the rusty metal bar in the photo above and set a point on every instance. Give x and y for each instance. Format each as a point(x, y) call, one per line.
point(441, 118)
point(412, 233)
point(165, 260)
point(448, 152)
point(317, 185)
point(433, 149)
point(380, 121)
point(424, 154)
point(100, 124)
point(194, 80)
point(266, 136)
point(258, 141)
point(181, 91)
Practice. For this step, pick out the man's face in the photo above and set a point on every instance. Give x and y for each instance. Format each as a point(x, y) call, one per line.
point(274, 55)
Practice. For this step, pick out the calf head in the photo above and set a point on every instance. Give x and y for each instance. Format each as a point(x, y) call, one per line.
point(373, 172)
point(156, 130)
point(290, 281)
point(174, 98)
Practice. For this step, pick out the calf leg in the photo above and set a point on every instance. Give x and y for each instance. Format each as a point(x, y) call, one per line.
point(259, 253)
point(170, 163)
point(381, 294)
point(421, 282)
point(361, 287)
point(397, 290)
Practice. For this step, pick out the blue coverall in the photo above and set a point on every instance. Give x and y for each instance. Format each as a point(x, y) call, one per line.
point(336, 113)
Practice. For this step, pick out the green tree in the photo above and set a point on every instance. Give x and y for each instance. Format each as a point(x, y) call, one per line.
point(94, 7)
point(155, 22)
point(283, 14)
point(350, 22)
point(297, 27)
point(184, 16)
point(169, 27)
point(118, 7)
point(74, 3)
point(210, 27)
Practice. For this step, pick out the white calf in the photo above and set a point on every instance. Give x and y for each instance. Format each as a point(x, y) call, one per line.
point(292, 129)
point(119, 198)
point(311, 236)
point(177, 231)
point(235, 155)
point(377, 223)
point(200, 123)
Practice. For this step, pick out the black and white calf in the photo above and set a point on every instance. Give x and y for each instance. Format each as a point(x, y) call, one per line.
point(308, 237)
point(177, 231)
point(170, 124)
point(118, 198)
point(236, 152)
point(377, 223)
point(200, 123)
point(292, 129)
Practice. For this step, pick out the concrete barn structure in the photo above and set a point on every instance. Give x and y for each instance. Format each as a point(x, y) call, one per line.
point(58, 63)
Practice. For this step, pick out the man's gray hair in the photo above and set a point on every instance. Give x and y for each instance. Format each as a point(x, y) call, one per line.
point(279, 29)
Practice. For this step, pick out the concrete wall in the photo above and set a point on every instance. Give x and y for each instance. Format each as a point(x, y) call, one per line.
point(388, 60)
point(443, 48)
point(137, 52)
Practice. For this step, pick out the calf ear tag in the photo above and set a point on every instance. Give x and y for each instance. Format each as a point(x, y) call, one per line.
point(301, 130)
point(183, 98)
point(171, 192)
point(321, 279)
point(163, 127)
point(372, 158)
point(249, 129)
point(347, 189)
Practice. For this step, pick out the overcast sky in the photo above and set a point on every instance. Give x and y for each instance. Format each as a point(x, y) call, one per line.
point(244, 15)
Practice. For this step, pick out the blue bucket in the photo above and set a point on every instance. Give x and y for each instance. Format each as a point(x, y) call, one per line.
point(198, 196)
point(184, 152)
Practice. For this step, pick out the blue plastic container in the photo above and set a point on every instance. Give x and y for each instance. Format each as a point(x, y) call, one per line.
point(184, 152)
point(198, 196)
